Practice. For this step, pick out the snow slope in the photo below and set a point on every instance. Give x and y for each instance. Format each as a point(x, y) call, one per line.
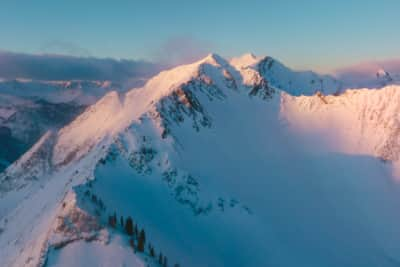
point(221, 168)
point(359, 121)
point(28, 109)
point(78, 91)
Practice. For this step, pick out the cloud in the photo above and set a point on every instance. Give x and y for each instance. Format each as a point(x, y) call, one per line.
point(182, 50)
point(58, 67)
point(66, 61)
point(364, 74)
point(64, 48)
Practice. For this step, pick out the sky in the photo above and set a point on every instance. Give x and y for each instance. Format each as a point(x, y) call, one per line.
point(304, 34)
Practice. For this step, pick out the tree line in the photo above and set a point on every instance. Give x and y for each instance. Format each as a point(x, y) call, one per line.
point(137, 238)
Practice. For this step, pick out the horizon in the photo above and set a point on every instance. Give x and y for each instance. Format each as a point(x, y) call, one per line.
point(62, 67)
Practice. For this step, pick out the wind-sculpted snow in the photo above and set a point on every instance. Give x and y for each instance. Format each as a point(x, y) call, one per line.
point(221, 168)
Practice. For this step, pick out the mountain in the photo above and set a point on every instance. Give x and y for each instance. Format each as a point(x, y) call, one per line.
point(370, 75)
point(219, 167)
point(283, 78)
point(28, 109)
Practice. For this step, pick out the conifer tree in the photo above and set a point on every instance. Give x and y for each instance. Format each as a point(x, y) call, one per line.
point(122, 221)
point(136, 230)
point(152, 252)
point(115, 219)
point(111, 221)
point(143, 235)
point(160, 258)
point(141, 241)
point(129, 226)
point(165, 262)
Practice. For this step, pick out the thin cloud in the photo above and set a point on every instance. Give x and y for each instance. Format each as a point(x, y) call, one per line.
point(182, 50)
point(365, 74)
point(64, 48)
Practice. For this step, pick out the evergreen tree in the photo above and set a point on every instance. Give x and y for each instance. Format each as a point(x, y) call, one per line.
point(143, 235)
point(160, 258)
point(152, 252)
point(101, 204)
point(115, 218)
point(129, 226)
point(165, 262)
point(141, 241)
point(111, 221)
point(122, 221)
point(136, 230)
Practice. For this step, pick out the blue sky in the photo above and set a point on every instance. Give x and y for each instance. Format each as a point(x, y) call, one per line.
point(320, 35)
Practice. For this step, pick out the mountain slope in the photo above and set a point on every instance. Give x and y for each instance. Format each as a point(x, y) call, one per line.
point(220, 168)
point(28, 109)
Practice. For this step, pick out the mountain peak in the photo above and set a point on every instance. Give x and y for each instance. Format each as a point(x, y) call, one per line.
point(213, 59)
point(244, 60)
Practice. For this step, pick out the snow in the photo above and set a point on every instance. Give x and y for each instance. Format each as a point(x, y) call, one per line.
point(370, 75)
point(30, 108)
point(114, 112)
point(77, 239)
point(80, 92)
point(307, 194)
point(82, 254)
point(87, 129)
point(358, 121)
point(238, 180)
point(244, 61)
point(6, 113)
point(281, 77)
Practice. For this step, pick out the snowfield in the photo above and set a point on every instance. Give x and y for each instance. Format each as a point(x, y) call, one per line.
point(222, 163)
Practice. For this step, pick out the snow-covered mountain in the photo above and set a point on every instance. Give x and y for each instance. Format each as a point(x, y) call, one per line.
point(283, 78)
point(28, 109)
point(220, 167)
point(370, 75)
